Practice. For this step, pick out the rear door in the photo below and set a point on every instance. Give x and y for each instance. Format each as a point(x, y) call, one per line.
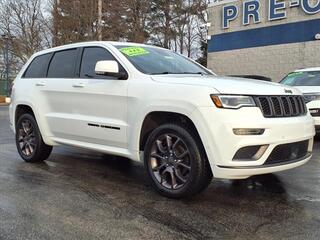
point(34, 86)
point(58, 94)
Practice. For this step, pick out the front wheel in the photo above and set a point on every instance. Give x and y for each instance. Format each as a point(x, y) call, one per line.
point(29, 141)
point(175, 162)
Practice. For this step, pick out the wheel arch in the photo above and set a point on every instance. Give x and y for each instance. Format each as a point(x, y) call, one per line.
point(155, 119)
point(24, 108)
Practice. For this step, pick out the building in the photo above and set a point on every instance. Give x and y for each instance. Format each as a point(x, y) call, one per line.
point(263, 37)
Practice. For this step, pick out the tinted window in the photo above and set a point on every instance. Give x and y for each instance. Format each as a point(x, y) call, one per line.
point(63, 64)
point(90, 58)
point(38, 67)
point(311, 78)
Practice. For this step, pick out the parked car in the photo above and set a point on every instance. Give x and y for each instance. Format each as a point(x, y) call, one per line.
point(308, 82)
point(255, 77)
point(158, 107)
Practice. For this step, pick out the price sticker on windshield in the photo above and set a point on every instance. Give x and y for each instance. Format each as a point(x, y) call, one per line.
point(295, 74)
point(134, 51)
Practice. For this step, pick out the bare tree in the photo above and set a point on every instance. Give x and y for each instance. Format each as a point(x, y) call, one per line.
point(86, 20)
point(23, 21)
point(74, 21)
point(162, 17)
point(136, 14)
point(175, 24)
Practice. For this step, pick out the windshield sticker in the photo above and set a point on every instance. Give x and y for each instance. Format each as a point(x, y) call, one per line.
point(295, 74)
point(169, 57)
point(134, 51)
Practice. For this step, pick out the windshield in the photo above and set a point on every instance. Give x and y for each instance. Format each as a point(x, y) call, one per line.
point(311, 78)
point(150, 60)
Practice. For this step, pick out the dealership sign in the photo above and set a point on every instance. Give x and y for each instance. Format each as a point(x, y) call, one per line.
point(251, 10)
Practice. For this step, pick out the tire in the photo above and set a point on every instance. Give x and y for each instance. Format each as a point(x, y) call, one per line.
point(29, 141)
point(175, 162)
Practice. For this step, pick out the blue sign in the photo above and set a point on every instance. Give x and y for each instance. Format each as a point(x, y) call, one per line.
point(277, 10)
point(296, 32)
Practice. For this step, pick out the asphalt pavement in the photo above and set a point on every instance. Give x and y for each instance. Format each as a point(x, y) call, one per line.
point(78, 194)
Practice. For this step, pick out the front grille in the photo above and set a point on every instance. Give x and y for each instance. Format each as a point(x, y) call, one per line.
point(281, 106)
point(288, 152)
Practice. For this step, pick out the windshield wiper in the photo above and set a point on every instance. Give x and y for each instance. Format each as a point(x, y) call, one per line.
point(198, 73)
point(165, 73)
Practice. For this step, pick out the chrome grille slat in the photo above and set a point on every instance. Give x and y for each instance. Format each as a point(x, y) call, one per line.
point(281, 106)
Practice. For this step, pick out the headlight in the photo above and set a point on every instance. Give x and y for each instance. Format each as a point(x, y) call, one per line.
point(311, 97)
point(232, 101)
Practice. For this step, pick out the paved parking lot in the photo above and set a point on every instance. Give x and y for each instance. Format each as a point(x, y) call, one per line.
point(78, 194)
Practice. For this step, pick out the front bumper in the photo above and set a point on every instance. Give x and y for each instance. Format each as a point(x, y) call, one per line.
point(245, 172)
point(221, 144)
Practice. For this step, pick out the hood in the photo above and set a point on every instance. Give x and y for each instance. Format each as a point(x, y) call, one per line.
point(309, 89)
point(229, 85)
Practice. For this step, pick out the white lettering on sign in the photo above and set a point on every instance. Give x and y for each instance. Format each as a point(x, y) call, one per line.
point(251, 10)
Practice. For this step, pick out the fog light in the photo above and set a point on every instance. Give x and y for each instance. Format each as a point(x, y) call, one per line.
point(248, 131)
point(261, 151)
point(251, 153)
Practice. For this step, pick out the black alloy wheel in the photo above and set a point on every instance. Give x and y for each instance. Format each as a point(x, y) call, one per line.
point(176, 164)
point(26, 138)
point(30, 144)
point(170, 161)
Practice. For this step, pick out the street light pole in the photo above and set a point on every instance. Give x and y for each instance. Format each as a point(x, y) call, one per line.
point(56, 24)
point(100, 20)
point(6, 62)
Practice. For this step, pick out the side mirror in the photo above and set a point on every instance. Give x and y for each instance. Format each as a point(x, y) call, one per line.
point(109, 68)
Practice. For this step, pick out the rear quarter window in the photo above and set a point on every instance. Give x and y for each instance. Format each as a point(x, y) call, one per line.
point(38, 67)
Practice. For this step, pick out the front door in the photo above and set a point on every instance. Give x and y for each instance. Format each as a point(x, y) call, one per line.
point(98, 104)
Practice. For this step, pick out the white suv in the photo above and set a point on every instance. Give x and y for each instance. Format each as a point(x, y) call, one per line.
point(155, 106)
point(308, 82)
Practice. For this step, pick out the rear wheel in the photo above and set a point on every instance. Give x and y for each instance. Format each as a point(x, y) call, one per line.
point(175, 162)
point(29, 141)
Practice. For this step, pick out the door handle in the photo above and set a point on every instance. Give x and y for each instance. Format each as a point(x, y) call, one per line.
point(40, 84)
point(78, 85)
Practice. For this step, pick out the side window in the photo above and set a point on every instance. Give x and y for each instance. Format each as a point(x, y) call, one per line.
point(38, 67)
point(63, 64)
point(91, 55)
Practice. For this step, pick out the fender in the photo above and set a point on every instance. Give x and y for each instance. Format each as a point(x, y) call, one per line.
point(137, 124)
point(39, 119)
